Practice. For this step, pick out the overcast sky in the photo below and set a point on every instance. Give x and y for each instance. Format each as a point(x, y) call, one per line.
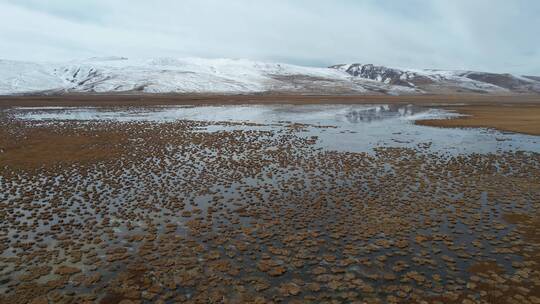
point(490, 35)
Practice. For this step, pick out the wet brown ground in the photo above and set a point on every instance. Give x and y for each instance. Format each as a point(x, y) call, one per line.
point(41, 147)
point(109, 212)
point(514, 113)
point(513, 118)
point(176, 99)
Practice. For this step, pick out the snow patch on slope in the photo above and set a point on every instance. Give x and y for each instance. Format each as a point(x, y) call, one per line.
point(22, 77)
point(163, 75)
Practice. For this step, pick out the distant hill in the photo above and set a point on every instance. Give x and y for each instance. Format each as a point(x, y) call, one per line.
point(237, 76)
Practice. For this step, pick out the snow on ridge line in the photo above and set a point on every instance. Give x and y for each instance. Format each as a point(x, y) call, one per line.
point(156, 75)
point(223, 75)
point(433, 80)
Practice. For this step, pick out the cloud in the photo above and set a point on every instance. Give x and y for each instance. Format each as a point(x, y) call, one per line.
point(494, 35)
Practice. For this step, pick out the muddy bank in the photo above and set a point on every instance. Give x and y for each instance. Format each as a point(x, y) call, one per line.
point(193, 99)
point(514, 113)
point(522, 118)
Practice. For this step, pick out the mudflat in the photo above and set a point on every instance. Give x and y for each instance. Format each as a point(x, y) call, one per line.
point(74, 99)
point(521, 118)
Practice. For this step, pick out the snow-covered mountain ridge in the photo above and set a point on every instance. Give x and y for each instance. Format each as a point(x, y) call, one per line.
point(441, 81)
point(232, 76)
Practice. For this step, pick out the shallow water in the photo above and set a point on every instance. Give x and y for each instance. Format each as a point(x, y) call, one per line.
point(354, 128)
point(237, 202)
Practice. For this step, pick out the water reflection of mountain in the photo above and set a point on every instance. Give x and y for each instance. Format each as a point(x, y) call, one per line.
point(381, 112)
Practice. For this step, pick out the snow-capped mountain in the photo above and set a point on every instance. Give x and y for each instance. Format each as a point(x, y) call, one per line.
point(232, 76)
point(440, 81)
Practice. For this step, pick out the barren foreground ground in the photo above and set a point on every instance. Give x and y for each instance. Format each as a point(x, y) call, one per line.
point(198, 211)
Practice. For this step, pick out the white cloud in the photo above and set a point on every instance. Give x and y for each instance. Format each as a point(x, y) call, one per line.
point(495, 35)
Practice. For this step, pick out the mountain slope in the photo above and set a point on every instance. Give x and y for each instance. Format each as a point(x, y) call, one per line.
point(439, 81)
point(227, 76)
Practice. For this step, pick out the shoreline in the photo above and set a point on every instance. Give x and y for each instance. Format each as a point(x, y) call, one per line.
point(99, 99)
point(523, 119)
point(510, 113)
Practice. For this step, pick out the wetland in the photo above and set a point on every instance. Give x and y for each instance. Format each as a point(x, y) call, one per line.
point(265, 203)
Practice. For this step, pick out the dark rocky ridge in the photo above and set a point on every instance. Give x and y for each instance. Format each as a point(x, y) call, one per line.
point(437, 81)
